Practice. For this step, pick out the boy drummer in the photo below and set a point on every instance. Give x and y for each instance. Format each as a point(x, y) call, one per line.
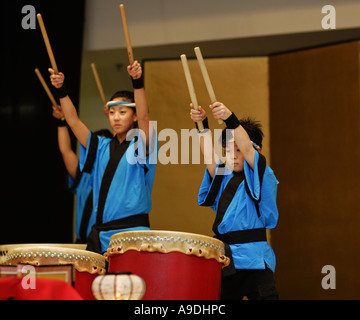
point(122, 183)
point(80, 183)
point(243, 195)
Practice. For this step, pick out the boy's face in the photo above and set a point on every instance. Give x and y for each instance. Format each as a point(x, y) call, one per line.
point(121, 118)
point(234, 157)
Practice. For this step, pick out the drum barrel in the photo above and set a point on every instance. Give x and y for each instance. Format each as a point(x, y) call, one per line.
point(174, 265)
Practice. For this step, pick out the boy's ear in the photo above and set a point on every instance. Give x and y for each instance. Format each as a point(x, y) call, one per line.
point(135, 117)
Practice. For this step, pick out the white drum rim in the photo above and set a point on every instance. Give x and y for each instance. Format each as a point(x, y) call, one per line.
point(165, 241)
point(82, 260)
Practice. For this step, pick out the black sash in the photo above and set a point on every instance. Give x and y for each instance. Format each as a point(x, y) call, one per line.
point(236, 237)
point(128, 222)
point(243, 236)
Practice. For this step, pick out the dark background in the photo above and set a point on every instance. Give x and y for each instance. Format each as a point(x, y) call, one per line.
point(36, 205)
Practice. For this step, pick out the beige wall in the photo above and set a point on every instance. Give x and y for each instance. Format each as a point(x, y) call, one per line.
point(159, 22)
point(112, 77)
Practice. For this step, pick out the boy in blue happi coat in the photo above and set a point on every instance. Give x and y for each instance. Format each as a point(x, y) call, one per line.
point(80, 183)
point(122, 170)
point(242, 193)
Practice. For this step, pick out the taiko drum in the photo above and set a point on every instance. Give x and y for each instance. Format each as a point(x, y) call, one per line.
point(87, 265)
point(174, 265)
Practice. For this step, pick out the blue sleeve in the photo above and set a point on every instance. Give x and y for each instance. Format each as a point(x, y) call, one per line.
point(204, 187)
point(71, 182)
point(252, 177)
point(83, 155)
point(267, 192)
point(210, 187)
point(88, 155)
point(137, 152)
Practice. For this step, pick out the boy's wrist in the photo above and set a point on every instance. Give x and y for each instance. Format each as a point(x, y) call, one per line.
point(60, 122)
point(205, 125)
point(232, 122)
point(61, 92)
point(138, 83)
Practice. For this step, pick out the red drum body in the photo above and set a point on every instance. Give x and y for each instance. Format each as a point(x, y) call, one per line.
point(87, 265)
point(174, 265)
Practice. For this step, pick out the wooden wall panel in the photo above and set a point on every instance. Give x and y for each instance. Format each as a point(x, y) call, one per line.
point(315, 113)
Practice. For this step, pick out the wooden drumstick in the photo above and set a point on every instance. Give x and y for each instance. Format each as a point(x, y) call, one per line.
point(127, 35)
point(47, 43)
point(46, 88)
point(191, 88)
point(206, 77)
point(98, 83)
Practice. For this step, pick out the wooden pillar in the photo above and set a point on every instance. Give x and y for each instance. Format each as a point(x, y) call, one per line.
point(314, 115)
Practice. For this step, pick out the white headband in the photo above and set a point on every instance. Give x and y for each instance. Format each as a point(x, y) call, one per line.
point(123, 103)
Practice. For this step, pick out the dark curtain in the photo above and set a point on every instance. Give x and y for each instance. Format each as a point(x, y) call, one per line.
point(36, 205)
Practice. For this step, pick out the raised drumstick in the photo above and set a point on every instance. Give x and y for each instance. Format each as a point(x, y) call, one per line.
point(46, 88)
point(47, 43)
point(127, 35)
point(206, 77)
point(191, 88)
point(98, 83)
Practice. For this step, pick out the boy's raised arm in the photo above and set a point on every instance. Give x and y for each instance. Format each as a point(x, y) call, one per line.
point(70, 159)
point(79, 129)
point(142, 108)
point(220, 111)
point(205, 137)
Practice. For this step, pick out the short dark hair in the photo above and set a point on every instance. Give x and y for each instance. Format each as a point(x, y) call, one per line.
point(252, 127)
point(123, 94)
point(104, 133)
